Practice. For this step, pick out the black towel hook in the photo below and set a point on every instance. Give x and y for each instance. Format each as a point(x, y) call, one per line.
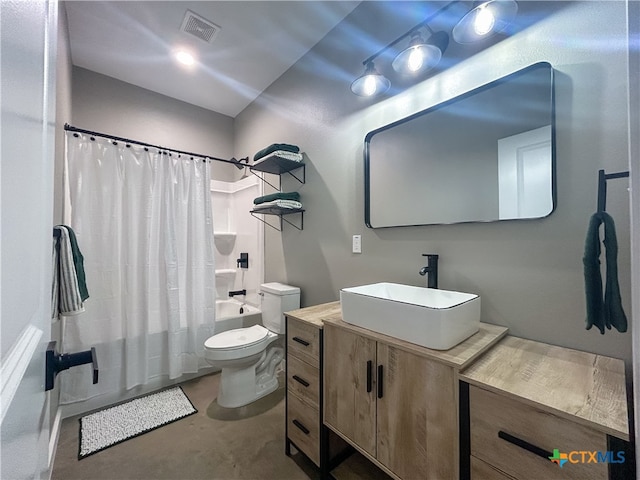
point(602, 186)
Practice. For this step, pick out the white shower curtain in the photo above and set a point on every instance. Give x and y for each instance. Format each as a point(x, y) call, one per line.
point(144, 224)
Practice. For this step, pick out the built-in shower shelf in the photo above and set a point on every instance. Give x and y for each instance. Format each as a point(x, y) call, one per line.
point(224, 241)
point(277, 166)
point(220, 272)
point(281, 213)
point(224, 235)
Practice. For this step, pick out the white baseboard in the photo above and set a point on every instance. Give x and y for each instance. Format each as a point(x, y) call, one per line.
point(54, 434)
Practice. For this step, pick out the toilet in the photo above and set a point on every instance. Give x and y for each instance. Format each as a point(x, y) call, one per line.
point(245, 355)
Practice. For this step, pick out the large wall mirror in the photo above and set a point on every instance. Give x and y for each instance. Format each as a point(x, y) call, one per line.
point(484, 156)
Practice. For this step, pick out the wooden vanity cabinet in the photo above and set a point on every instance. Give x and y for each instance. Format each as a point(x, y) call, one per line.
point(525, 399)
point(393, 401)
point(304, 363)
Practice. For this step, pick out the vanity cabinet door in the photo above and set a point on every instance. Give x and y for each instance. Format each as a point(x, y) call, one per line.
point(349, 386)
point(415, 412)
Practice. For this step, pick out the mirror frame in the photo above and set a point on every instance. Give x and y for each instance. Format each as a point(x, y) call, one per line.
point(439, 106)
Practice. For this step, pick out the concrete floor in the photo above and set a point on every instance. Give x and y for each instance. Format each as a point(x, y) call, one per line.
point(215, 443)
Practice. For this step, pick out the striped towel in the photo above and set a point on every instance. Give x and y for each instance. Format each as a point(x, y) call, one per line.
point(69, 288)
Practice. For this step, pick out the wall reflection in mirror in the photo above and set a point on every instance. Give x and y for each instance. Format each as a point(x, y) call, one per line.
point(484, 156)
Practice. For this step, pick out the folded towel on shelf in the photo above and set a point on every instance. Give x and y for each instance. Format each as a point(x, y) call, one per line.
point(296, 157)
point(274, 147)
point(279, 204)
point(69, 287)
point(607, 311)
point(277, 196)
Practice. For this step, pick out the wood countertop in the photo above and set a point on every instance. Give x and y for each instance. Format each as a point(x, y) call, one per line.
point(459, 356)
point(583, 387)
point(316, 314)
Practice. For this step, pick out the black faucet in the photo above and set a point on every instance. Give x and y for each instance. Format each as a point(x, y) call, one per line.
point(432, 269)
point(233, 293)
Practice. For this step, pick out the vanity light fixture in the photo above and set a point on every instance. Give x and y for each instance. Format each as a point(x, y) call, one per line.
point(485, 20)
point(370, 83)
point(421, 55)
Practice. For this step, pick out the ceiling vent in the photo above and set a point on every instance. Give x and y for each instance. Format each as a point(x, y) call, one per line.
point(199, 27)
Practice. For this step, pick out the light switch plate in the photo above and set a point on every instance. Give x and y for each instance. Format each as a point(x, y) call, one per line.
point(356, 246)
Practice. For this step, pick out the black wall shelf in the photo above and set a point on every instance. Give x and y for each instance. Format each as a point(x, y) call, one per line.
point(281, 213)
point(277, 166)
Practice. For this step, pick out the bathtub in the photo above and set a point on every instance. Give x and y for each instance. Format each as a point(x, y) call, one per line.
point(228, 315)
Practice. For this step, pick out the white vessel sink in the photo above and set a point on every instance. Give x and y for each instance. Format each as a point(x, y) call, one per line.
point(437, 319)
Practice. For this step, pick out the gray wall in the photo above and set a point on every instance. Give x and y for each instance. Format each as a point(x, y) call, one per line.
point(528, 273)
point(107, 105)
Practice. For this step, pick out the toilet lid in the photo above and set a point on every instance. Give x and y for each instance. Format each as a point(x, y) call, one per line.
point(240, 337)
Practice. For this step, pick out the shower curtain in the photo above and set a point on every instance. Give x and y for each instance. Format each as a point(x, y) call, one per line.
point(144, 224)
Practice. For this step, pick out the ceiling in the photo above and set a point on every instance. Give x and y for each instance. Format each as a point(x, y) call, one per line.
point(257, 42)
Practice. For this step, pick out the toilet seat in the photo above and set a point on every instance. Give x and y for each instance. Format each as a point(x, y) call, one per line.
point(237, 338)
point(238, 344)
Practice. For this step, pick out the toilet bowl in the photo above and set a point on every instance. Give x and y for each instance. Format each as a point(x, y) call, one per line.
point(245, 355)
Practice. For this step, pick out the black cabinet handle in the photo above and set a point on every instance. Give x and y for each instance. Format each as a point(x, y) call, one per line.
point(301, 427)
point(303, 342)
point(301, 380)
point(369, 375)
point(379, 381)
point(541, 452)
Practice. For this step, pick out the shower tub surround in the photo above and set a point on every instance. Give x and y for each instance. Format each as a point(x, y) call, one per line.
point(232, 314)
point(235, 232)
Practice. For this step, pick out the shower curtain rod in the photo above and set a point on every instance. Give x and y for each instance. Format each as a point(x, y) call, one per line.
point(233, 161)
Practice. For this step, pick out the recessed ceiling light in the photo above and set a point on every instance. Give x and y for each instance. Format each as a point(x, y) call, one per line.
point(185, 58)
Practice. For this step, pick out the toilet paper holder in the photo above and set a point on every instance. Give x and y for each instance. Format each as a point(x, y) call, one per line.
point(56, 362)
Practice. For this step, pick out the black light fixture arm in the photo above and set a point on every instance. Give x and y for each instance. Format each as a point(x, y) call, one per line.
point(422, 24)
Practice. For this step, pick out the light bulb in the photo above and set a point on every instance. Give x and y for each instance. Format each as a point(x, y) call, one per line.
point(484, 20)
point(184, 57)
point(369, 85)
point(415, 59)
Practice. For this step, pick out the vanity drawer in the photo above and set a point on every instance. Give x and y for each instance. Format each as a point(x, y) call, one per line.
point(483, 471)
point(303, 341)
point(497, 421)
point(303, 427)
point(303, 380)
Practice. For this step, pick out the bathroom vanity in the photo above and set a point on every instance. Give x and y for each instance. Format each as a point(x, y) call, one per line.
point(397, 402)
point(491, 407)
point(524, 400)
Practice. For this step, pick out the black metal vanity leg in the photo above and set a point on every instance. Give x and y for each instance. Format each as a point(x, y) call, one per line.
point(287, 448)
point(324, 453)
point(464, 432)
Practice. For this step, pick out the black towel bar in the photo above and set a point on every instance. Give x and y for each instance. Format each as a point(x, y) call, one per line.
point(602, 186)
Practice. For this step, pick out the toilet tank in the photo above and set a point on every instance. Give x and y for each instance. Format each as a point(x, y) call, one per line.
point(277, 298)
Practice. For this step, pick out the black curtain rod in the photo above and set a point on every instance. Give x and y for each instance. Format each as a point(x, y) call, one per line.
point(233, 161)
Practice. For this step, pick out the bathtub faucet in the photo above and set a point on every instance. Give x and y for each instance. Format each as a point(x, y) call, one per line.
point(233, 293)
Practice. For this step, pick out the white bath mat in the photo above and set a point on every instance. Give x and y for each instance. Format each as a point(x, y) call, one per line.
point(116, 424)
